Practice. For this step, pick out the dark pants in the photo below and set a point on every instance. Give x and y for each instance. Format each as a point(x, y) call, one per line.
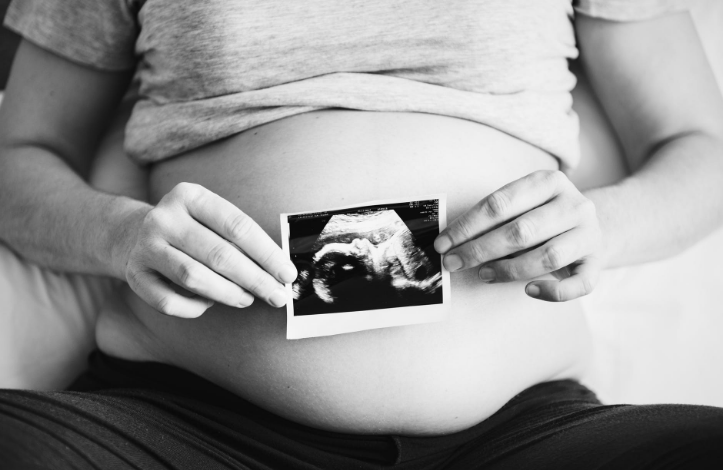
point(127, 415)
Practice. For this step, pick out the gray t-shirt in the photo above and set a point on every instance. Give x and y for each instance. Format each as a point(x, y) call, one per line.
point(209, 69)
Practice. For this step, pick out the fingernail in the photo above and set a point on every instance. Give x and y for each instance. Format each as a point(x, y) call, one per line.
point(442, 244)
point(532, 290)
point(278, 298)
point(287, 273)
point(452, 262)
point(487, 274)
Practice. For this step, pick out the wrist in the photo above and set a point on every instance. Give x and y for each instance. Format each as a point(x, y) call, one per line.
point(127, 218)
point(610, 208)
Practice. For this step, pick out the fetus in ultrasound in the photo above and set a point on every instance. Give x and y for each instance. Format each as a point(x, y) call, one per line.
point(367, 260)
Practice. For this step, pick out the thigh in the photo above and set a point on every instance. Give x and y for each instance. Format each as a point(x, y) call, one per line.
point(605, 437)
point(79, 431)
point(54, 430)
point(129, 428)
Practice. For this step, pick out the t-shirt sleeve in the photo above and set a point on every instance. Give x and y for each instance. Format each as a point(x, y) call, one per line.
point(628, 10)
point(97, 33)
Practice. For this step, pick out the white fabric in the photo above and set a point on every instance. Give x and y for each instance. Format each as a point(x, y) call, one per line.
point(657, 330)
point(47, 321)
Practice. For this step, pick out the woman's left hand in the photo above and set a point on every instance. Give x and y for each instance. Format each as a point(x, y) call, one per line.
point(536, 225)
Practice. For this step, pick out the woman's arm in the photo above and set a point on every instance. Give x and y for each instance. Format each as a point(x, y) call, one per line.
point(658, 90)
point(656, 86)
point(51, 119)
point(53, 114)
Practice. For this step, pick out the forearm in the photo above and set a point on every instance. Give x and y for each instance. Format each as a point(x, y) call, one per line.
point(672, 201)
point(52, 217)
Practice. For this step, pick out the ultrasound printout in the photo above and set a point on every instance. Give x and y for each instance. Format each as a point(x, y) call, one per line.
point(365, 266)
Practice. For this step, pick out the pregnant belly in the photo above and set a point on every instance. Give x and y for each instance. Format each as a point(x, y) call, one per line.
point(421, 379)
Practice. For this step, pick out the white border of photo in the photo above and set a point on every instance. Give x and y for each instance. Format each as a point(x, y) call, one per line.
point(326, 324)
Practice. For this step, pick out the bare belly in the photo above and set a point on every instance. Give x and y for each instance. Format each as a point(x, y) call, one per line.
point(422, 379)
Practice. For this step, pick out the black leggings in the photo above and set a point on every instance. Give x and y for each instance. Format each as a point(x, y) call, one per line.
point(127, 415)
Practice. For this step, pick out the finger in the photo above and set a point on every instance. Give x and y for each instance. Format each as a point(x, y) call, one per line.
point(583, 280)
point(220, 256)
point(508, 202)
point(527, 231)
point(158, 294)
point(231, 223)
point(193, 276)
point(556, 254)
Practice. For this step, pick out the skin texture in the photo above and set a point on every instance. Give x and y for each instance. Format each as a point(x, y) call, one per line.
point(651, 77)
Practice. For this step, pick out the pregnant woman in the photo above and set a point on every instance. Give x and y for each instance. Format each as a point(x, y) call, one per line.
point(250, 109)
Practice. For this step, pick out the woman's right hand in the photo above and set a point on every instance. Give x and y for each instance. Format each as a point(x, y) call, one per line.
point(206, 246)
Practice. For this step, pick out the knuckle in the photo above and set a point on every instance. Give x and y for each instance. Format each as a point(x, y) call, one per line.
point(538, 177)
point(268, 259)
point(555, 177)
point(587, 286)
point(189, 276)
point(238, 226)
point(156, 218)
point(507, 271)
point(475, 253)
point(520, 233)
point(185, 189)
point(257, 284)
point(547, 177)
point(463, 230)
point(134, 277)
point(557, 295)
point(220, 258)
point(497, 204)
point(182, 194)
point(552, 259)
point(165, 305)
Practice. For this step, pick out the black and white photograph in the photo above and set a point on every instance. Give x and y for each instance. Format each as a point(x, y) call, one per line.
point(367, 262)
point(361, 234)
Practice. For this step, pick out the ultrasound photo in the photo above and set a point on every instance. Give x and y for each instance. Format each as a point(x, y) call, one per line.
point(365, 258)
